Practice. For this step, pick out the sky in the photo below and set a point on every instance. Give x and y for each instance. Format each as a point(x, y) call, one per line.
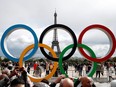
point(39, 14)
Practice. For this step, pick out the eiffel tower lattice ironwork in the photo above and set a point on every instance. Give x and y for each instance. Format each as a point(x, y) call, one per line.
point(55, 42)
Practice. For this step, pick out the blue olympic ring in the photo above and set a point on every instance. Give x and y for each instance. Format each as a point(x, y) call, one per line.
point(8, 32)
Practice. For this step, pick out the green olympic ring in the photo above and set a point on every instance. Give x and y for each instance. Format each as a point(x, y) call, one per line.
point(94, 65)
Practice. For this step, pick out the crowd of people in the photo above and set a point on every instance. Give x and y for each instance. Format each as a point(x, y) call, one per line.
point(38, 67)
point(14, 76)
point(108, 68)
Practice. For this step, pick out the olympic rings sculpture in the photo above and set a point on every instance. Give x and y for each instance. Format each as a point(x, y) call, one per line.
point(61, 58)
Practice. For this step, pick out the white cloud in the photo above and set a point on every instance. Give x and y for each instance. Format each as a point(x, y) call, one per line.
point(100, 50)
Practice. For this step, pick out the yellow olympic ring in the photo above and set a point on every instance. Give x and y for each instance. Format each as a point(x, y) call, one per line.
point(35, 79)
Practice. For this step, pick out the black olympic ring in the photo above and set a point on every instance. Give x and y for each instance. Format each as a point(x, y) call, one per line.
point(62, 27)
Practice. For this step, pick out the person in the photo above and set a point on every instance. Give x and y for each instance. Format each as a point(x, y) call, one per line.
point(88, 67)
point(51, 67)
point(28, 67)
point(98, 70)
point(115, 68)
point(34, 67)
point(2, 65)
point(18, 82)
point(84, 82)
point(66, 67)
point(110, 71)
point(47, 68)
point(10, 66)
point(6, 71)
point(75, 65)
point(79, 68)
point(38, 71)
point(67, 82)
point(84, 70)
point(4, 80)
point(53, 84)
point(25, 78)
point(102, 69)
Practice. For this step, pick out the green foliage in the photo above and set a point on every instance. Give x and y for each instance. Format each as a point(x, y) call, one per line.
point(5, 60)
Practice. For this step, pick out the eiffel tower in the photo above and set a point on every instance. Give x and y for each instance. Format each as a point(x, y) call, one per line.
point(55, 42)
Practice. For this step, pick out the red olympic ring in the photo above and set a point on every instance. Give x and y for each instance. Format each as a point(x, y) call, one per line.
point(110, 36)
